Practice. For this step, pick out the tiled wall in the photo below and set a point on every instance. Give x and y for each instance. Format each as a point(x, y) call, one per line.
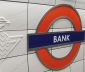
point(21, 17)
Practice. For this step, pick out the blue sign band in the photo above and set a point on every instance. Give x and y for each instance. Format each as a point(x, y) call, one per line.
point(52, 39)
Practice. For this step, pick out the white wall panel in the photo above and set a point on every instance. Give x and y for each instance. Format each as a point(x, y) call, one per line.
point(14, 14)
point(64, 70)
point(20, 0)
point(82, 16)
point(69, 2)
point(80, 4)
point(34, 64)
point(15, 64)
point(77, 67)
point(35, 14)
point(62, 23)
point(48, 2)
point(13, 43)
